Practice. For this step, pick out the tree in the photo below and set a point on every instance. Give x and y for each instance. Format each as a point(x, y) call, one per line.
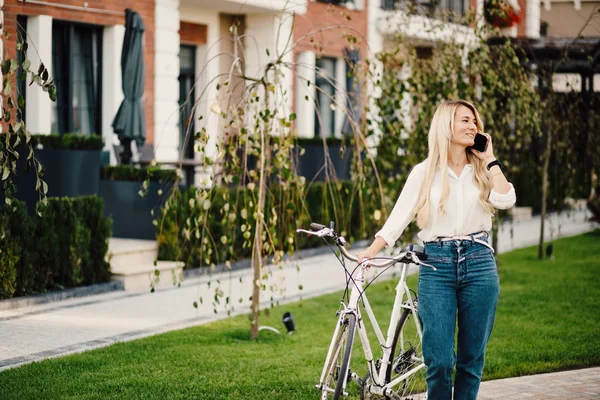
point(15, 140)
point(250, 171)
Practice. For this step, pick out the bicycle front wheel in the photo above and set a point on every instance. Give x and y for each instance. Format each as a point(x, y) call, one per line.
point(338, 368)
point(406, 359)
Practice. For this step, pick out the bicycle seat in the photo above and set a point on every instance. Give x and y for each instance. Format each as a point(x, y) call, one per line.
point(418, 250)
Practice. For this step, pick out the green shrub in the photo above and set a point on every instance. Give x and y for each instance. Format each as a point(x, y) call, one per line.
point(21, 227)
point(9, 257)
point(70, 141)
point(64, 247)
point(94, 268)
point(129, 173)
point(325, 202)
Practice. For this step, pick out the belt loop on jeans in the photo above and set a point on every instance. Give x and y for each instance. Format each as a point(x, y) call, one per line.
point(439, 242)
point(472, 239)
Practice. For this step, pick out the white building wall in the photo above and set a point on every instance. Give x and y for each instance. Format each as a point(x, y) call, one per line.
point(305, 109)
point(376, 42)
point(38, 105)
point(166, 84)
point(271, 33)
point(532, 19)
point(207, 70)
point(112, 91)
point(341, 96)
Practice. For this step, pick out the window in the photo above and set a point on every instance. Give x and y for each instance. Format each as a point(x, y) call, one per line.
point(187, 98)
point(336, 2)
point(77, 69)
point(325, 110)
point(352, 57)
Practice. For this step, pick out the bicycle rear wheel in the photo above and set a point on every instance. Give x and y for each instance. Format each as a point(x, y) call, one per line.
point(338, 369)
point(406, 358)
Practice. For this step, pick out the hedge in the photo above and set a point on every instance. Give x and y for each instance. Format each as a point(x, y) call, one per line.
point(64, 247)
point(353, 221)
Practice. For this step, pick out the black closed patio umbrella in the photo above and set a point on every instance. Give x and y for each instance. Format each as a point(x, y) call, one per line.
point(129, 123)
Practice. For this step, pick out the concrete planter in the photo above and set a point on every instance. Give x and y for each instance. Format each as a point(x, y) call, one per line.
point(309, 163)
point(130, 212)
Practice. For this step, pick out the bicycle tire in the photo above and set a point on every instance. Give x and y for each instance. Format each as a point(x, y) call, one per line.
point(337, 370)
point(403, 360)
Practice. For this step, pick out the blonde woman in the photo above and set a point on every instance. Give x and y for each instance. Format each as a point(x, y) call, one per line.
point(453, 194)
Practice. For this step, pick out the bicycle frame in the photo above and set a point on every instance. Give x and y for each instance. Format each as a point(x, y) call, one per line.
point(356, 294)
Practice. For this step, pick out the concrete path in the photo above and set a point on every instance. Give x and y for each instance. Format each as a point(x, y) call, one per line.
point(577, 384)
point(55, 329)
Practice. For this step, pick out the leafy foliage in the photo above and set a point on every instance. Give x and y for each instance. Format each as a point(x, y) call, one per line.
point(17, 132)
point(64, 247)
point(130, 173)
point(70, 141)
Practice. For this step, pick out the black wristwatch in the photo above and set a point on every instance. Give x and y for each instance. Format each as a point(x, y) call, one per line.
point(495, 162)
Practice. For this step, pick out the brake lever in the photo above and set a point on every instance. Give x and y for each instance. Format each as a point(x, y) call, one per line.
point(319, 233)
point(417, 261)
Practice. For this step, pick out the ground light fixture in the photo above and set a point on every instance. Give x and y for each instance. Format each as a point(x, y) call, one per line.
point(288, 321)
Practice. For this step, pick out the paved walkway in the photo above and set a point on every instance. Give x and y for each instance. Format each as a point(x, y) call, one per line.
point(55, 329)
point(577, 384)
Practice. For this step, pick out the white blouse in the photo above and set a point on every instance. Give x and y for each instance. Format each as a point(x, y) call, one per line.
point(464, 215)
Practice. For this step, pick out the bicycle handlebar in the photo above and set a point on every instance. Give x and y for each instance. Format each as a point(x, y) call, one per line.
point(409, 254)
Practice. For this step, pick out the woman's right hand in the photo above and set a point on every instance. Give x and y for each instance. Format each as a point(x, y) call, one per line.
point(366, 254)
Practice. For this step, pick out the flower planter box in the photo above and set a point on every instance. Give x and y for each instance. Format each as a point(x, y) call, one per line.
point(309, 163)
point(68, 173)
point(131, 213)
point(71, 173)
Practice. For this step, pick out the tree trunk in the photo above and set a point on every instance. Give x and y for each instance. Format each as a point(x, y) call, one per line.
point(257, 249)
point(544, 191)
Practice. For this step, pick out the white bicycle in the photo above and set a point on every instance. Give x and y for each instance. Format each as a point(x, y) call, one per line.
point(400, 372)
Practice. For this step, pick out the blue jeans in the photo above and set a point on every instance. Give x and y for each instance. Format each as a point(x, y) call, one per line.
point(466, 282)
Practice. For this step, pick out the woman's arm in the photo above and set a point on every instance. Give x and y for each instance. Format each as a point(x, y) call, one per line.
point(500, 184)
point(371, 251)
point(502, 195)
point(402, 214)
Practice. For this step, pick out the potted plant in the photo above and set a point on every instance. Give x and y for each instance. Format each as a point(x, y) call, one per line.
point(71, 163)
point(133, 197)
point(70, 167)
point(310, 157)
point(500, 13)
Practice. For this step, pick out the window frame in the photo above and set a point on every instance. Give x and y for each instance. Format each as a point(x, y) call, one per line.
point(64, 79)
point(321, 81)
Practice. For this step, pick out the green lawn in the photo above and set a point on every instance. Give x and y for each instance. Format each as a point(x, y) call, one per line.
point(548, 320)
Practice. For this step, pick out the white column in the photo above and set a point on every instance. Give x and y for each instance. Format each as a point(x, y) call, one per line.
point(341, 97)
point(271, 33)
point(532, 20)
point(112, 92)
point(207, 71)
point(38, 105)
point(305, 109)
point(166, 84)
point(376, 45)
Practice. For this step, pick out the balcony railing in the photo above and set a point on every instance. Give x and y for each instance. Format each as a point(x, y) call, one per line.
point(426, 6)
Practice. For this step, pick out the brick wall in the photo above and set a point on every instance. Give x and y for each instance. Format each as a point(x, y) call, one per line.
point(322, 16)
point(145, 8)
point(190, 33)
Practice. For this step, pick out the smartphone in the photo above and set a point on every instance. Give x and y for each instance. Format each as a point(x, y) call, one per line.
point(481, 142)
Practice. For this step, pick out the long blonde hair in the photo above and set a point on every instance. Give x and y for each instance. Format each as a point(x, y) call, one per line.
point(440, 134)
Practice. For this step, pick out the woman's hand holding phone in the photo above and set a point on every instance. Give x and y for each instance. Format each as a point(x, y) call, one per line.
point(486, 151)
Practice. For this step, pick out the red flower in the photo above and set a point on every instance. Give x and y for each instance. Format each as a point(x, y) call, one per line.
point(500, 14)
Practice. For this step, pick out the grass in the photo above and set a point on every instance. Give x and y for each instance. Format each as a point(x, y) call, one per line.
point(547, 320)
